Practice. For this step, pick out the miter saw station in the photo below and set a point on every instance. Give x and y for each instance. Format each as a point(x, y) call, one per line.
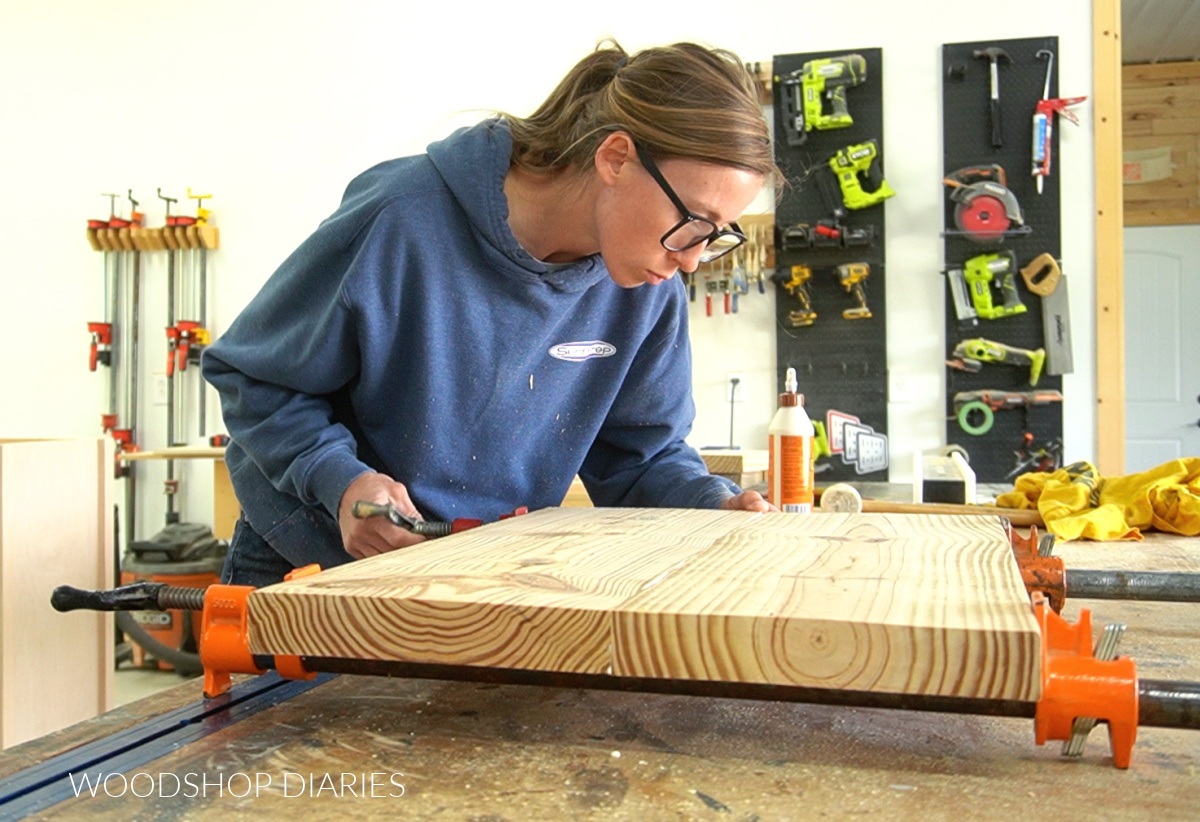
point(1009, 334)
point(829, 238)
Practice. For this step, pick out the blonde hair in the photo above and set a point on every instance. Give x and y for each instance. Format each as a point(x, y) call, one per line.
point(682, 100)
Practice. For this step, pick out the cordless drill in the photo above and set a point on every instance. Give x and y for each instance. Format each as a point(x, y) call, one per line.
point(797, 285)
point(853, 277)
point(804, 89)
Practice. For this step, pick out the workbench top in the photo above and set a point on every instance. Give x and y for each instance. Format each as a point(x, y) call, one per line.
point(471, 751)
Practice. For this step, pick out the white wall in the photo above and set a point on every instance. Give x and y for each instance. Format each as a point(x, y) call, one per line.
point(274, 106)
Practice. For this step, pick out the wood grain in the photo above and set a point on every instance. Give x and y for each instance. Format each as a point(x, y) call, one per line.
point(1110, 249)
point(871, 602)
point(1161, 109)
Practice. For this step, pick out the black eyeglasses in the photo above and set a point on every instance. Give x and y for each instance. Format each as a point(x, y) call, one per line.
point(693, 229)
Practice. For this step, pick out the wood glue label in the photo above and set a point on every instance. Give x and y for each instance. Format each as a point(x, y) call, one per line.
point(790, 473)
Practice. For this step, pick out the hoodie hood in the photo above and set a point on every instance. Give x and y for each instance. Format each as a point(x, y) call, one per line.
point(473, 162)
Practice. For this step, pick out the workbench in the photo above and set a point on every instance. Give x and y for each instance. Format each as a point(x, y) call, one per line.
point(480, 751)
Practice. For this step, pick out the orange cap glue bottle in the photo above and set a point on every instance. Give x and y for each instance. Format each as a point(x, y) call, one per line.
point(790, 465)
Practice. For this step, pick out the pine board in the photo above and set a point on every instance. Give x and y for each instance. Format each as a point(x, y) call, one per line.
point(915, 604)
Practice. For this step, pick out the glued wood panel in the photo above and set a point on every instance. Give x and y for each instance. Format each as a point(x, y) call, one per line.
point(870, 602)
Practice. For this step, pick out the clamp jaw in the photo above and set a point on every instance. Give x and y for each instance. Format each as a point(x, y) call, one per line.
point(1080, 687)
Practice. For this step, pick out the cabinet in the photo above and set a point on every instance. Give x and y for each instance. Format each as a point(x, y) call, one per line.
point(56, 527)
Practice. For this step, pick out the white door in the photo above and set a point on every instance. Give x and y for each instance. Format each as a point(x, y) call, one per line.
point(1162, 345)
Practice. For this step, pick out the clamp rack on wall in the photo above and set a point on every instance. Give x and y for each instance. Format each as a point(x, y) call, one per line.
point(123, 239)
point(1007, 398)
point(830, 313)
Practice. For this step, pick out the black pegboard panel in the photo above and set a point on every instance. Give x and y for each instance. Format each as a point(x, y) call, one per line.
point(967, 141)
point(841, 364)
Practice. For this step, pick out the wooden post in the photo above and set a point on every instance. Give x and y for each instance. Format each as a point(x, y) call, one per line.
point(1110, 245)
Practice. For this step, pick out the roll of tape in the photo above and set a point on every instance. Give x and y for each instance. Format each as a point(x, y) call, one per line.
point(964, 421)
point(841, 498)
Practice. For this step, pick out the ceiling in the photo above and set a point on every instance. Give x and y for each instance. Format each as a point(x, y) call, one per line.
point(1160, 31)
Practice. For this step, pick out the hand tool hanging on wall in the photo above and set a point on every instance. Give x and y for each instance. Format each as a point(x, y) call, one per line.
point(1044, 277)
point(102, 234)
point(194, 333)
point(1034, 456)
point(126, 437)
point(1043, 121)
point(993, 55)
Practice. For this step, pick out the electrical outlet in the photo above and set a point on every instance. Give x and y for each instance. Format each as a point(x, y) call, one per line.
point(735, 391)
point(160, 389)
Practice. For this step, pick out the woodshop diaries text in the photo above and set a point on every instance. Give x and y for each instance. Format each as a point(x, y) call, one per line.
point(239, 785)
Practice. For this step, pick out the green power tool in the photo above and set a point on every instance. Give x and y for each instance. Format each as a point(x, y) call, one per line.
point(969, 355)
point(976, 279)
point(851, 167)
point(817, 80)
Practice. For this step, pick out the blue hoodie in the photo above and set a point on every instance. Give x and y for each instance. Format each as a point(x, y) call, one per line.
point(412, 335)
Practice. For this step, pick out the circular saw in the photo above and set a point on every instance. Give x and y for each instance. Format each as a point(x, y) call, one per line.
point(985, 209)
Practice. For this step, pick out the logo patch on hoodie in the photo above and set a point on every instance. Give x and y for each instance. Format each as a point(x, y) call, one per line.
point(580, 351)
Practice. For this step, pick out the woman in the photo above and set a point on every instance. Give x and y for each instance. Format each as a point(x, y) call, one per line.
point(476, 325)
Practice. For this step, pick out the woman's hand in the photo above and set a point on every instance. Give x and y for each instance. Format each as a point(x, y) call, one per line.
point(748, 501)
point(375, 535)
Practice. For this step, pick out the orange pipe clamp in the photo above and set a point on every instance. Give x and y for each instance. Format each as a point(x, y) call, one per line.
point(1076, 684)
point(1046, 575)
point(225, 637)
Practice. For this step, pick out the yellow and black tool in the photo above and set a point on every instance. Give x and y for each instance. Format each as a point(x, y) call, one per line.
point(805, 90)
point(796, 284)
point(853, 277)
point(972, 286)
point(969, 355)
point(860, 182)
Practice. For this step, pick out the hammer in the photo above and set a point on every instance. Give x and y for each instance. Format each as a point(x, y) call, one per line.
point(993, 55)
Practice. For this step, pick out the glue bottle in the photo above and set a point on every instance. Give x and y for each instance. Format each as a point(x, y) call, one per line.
point(790, 464)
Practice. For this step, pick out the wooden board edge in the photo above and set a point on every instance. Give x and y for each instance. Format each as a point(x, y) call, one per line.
point(1110, 250)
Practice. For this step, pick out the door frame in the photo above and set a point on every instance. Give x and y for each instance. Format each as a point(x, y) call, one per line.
point(1110, 244)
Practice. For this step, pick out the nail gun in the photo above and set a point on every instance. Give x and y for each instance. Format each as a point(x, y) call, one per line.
point(804, 89)
point(850, 167)
point(976, 279)
point(970, 355)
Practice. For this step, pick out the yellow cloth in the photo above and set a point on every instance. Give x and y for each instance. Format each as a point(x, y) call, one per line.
point(1077, 503)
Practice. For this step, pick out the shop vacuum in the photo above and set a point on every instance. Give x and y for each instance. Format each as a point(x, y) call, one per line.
point(182, 554)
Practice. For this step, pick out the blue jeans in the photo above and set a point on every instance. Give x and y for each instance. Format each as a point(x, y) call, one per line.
point(258, 561)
